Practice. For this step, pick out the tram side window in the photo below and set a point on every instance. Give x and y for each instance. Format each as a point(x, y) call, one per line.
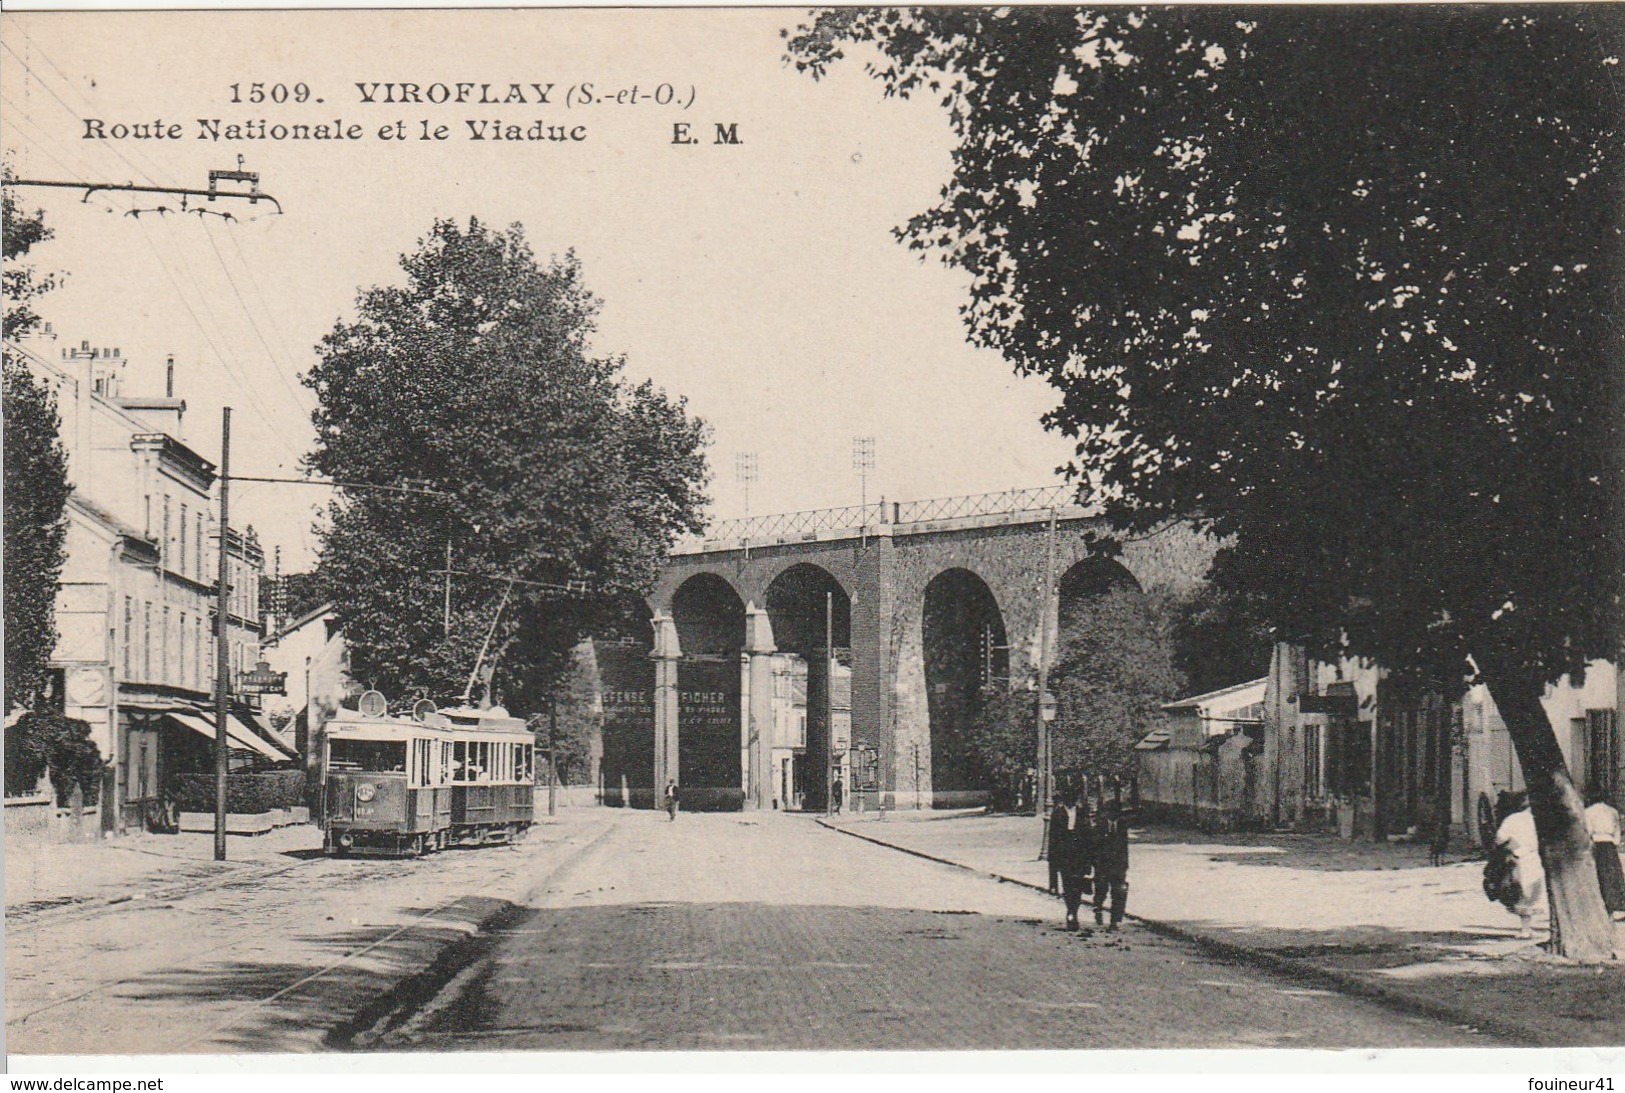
point(459, 763)
point(530, 763)
point(420, 762)
point(445, 761)
point(482, 761)
point(379, 756)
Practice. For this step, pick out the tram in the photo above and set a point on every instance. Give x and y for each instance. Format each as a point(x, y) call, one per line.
point(397, 786)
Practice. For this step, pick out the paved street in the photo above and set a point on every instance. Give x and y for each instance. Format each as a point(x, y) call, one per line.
point(767, 931)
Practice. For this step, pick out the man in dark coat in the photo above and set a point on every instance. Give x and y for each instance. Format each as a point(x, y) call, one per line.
point(1072, 855)
point(1111, 862)
point(1057, 833)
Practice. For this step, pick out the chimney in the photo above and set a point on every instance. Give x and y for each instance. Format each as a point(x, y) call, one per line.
point(169, 377)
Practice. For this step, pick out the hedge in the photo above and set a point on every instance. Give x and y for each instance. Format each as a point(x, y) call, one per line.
point(245, 793)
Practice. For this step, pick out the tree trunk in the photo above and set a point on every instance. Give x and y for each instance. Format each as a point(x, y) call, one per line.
point(1581, 926)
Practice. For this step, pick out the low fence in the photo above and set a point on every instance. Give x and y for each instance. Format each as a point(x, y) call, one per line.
point(39, 819)
point(1211, 787)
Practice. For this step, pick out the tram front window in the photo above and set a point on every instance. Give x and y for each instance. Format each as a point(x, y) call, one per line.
point(377, 756)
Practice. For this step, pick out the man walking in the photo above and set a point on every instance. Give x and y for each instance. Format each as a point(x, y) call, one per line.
point(1111, 863)
point(671, 799)
point(836, 792)
point(1057, 833)
point(1072, 855)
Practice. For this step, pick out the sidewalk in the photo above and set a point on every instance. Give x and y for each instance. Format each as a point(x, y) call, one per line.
point(1362, 918)
point(44, 876)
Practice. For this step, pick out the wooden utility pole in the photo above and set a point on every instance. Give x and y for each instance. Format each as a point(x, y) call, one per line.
point(222, 647)
point(1044, 711)
point(829, 703)
point(553, 755)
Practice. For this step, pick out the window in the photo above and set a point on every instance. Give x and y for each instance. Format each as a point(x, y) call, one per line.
point(181, 560)
point(459, 763)
point(163, 647)
point(1311, 760)
point(197, 545)
point(197, 652)
point(421, 772)
point(1602, 767)
point(182, 673)
point(168, 548)
point(378, 756)
point(127, 637)
point(146, 640)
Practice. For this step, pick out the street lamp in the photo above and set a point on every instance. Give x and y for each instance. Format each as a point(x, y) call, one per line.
point(863, 461)
point(746, 471)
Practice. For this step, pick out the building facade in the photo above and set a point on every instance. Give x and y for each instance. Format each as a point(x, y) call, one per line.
point(135, 602)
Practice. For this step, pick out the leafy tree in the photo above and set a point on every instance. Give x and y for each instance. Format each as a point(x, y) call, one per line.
point(36, 476)
point(579, 719)
point(1217, 639)
point(301, 593)
point(23, 283)
point(1003, 738)
point(1339, 285)
point(45, 740)
point(476, 378)
point(1113, 672)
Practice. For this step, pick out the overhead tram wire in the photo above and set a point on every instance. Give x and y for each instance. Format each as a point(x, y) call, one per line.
point(226, 360)
point(71, 112)
point(259, 294)
point(255, 326)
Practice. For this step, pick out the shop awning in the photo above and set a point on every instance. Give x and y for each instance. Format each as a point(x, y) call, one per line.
point(238, 735)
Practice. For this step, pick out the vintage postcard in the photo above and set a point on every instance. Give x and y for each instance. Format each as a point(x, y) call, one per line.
point(762, 529)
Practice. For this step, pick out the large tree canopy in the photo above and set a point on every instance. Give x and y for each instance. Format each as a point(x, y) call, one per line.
point(477, 379)
point(1342, 285)
point(36, 481)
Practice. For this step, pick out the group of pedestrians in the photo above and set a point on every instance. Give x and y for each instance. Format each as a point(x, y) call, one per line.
point(1088, 856)
point(1514, 875)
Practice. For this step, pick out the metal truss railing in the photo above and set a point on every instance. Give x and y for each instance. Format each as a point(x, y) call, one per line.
point(759, 529)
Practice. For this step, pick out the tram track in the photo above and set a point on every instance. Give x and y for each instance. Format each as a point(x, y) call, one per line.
point(29, 920)
point(270, 926)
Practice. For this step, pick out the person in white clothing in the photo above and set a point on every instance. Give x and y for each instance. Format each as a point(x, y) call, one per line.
point(1602, 820)
point(1524, 893)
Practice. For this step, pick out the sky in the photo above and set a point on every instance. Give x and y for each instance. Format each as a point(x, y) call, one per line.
point(761, 281)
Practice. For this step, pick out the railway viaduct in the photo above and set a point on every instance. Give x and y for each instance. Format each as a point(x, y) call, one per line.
point(927, 604)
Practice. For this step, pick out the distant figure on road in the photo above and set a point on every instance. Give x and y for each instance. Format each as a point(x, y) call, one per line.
point(1602, 820)
point(1439, 837)
point(836, 793)
point(671, 799)
point(1057, 833)
point(1111, 863)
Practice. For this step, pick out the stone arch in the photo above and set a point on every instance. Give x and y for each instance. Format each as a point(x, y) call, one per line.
point(626, 686)
point(966, 656)
point(1089, 578)
point(1108, 641)
point(709, 618)
point(808, 610)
